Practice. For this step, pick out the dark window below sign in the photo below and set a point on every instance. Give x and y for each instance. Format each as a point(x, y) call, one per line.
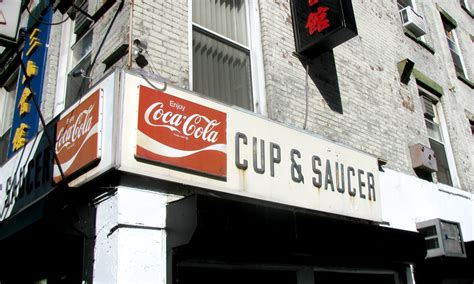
point(353, 277)
point(4, 139)
point(233, 275)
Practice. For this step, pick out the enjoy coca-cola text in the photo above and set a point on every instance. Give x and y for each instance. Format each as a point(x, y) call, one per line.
point(195, 125)
point(68, 134)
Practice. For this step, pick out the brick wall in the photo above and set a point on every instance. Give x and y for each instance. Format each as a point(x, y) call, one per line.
point(366, 108)
point(380, 115)
point(164, 26)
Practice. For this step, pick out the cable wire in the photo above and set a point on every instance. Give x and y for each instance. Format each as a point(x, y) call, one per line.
point(43, 123)
point(86, 74)
point(306, 97)
point(45, 23)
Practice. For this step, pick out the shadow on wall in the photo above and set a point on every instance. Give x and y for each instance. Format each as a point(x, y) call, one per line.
point(323, 73)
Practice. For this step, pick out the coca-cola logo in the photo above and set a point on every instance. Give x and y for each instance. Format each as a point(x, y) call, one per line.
point(182, 133)
point(193, 126)
point(75, 129)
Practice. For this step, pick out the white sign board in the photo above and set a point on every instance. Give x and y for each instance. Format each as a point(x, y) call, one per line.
point(165, 132)
point(9, 19)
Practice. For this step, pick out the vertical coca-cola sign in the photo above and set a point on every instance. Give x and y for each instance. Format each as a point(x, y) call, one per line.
point(180, 133)
point(78, 136)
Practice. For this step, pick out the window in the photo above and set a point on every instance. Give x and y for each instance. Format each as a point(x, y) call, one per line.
point(75, 58)
point(233, 275)
point(454, 49)
point(433, 121)
point(7, 105)
point(467, 5)
point(404, 3)
point(80, 61)
point(222, 59)
point(354, 276)
point(471, 124)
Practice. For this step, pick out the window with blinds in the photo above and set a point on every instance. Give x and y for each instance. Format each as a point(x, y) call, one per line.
point(221, 51)
point(430, 106)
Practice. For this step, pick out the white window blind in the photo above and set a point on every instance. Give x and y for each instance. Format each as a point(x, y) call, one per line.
point(221, 52)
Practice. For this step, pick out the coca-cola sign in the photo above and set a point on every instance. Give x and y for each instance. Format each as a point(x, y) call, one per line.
point(181, 134)
point(77, 137)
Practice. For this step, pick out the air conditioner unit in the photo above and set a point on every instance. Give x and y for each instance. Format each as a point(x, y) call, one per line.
point(412, 21)
point(442, 238)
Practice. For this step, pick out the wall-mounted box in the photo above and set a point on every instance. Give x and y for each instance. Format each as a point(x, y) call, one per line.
point(423, 158)
point(442, 238)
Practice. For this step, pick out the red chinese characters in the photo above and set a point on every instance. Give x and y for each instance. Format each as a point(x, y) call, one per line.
point(317, 20)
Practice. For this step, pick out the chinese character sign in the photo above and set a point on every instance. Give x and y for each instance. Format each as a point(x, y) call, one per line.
point(321, 25)
point(25, 115)
point(317, 20)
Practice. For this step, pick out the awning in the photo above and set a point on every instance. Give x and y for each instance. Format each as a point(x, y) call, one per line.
point(211, 227)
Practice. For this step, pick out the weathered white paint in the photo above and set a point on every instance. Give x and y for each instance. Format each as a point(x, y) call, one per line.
point(408, 200)
point(281, 188)
point(142, 256)
point(106, 247)
point(131, 239)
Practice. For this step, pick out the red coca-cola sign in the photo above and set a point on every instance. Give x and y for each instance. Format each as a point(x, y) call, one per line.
point(182, 134)
point(77, 137)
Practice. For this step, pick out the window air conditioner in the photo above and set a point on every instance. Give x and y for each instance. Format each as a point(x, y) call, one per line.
point(442, 238)
point(412, 21)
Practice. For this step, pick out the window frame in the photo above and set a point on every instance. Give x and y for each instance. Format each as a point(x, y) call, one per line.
point(466, 4)
point(10, 87)
point(471, 126)
point(398, 277)
point(437, 104)
point(455, 41)
point(69, 40)
point(254, 47)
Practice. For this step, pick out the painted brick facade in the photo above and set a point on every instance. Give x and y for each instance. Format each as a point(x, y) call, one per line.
point(380, 115)
point(355, 96)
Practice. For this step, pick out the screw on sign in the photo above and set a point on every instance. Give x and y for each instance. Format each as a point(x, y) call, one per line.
point(317, 20)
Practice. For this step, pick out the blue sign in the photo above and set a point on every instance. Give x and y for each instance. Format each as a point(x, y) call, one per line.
point(25, 115)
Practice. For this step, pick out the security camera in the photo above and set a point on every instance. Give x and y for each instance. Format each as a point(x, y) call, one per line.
point(140, 44)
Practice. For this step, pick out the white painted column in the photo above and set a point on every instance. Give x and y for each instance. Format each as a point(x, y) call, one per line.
point(131, 239)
